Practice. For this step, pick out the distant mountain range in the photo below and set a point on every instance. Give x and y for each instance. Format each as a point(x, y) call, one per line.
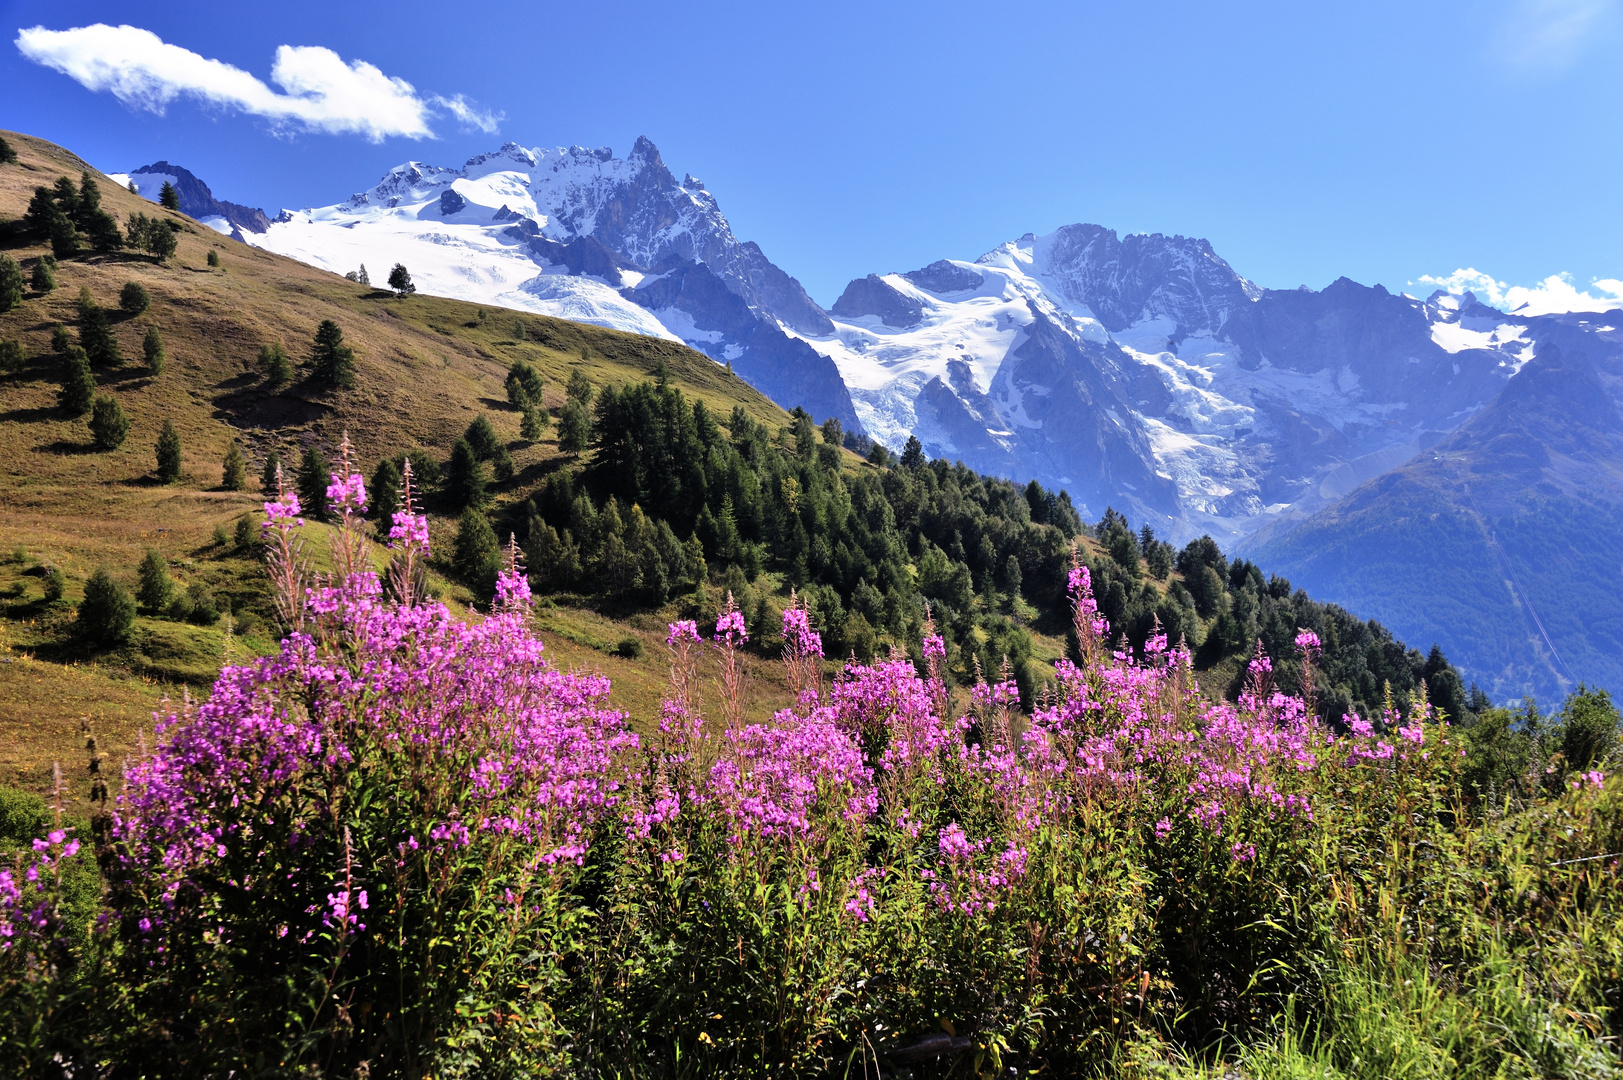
point(1380, 447)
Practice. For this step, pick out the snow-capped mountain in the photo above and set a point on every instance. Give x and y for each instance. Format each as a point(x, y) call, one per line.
point(581, 234)
point(1145, 372)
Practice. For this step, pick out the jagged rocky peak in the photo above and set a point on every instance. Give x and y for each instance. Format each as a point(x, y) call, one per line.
point(196, 200)
point(876, 297)
point(944, 278)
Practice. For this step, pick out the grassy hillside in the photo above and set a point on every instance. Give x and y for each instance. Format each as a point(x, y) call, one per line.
point(674, 507)
point(425, 367)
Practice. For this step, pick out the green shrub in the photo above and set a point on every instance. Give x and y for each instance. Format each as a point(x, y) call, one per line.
point(205, 610)
point(108, 424)
point(134, 298)
point(56, 584)
point(155, 588)
point(152, 351)
point(168, 454)
point(629, 647)
point(43, 278)
point(23, 817)
point(12, 357)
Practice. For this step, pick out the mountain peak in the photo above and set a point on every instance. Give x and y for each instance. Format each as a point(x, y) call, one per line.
point(645, 151)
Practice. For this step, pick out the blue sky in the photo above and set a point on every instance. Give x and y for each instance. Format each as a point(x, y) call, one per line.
point(1381, 141)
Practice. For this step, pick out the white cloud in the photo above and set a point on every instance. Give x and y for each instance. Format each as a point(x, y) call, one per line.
point(468, 114)
point(1555, 293)
point(319, 91)
point(1549, 35)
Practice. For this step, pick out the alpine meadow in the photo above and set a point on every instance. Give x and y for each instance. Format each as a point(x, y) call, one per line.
point(400, 677)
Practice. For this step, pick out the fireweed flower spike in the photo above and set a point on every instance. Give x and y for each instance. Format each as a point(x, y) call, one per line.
point(731, 635)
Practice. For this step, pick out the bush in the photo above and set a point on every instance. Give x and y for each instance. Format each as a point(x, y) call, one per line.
point(108, 425)
point(43, 278)
point(234, 469)
point(213, 257)
point(246, 532)
point(56, 584)
point(204, 610)
point(629, 647)
point(134, 298)
point(24, 816)
point(107, 612)
point(12, 357)
point(274, 363)
point(11, 284)
point(502, 467)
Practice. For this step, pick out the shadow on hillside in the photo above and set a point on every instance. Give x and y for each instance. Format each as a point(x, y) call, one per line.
point(66, 448)
point(249, 408)
point(499, 405)
point(28, 416)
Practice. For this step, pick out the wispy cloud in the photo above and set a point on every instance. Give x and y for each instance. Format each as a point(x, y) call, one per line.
point(1555, 293)
point(319, 91)
point(468, 114)
point(1546, 36)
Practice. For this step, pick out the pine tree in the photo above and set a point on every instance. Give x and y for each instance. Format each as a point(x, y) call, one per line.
point(833, 432)
point(103, 232)
point(501, 465)
point(363, 277)
point(579, 388)
point(42, 210)
point(152, 351)
point(274, 363)
point(44, 276)
point(96, 336)
point(534, 424)
point(78, 384)
point(400, 281)
point(61, 340)
point(107, 613)
point(912, 453)
point(234, 469)
point(314, 476)
point(134, 298)
point(12, 357)
point(267, 475)
point(476, 556)
point(64, 237)
point(482, 437)
point(168, 452)
point(384, 491)
point(464, 482)
point(168, 197)
point(108, 425)
point(213, 258)
point(333, 361)
point(11, 284)
point(574, 427)
point(878, 455)
point(155, 584)
point(524, 385)
point(518, 329)
point(8, 156)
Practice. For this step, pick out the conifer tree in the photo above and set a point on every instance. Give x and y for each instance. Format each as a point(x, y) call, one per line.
point(267, 475)
point(234, 469)
point(152, 351)
point(384, 492)
point(314, 476)
point(61, 340)
point(579, 388)
point(134, 298)
point(107, 613)
point(42, 209)
point(332, 361)
point(96, 333)
point(8, 156)
point(274, 363)
point(11, 284)
point(169, 197)
point(476, 556)
point(89, 198)
point(524, 385)
point(501, 466)
point(78, 384)
point(912, 453)
point(108, 425)
point(213, 258)
point(878, 455)
point(64, 237)
point(482, 437)
point(400, 281)
point(44, 277)
point(12, 357)
point(534, 424)
point(103, 232)
point(363, 277)
point(168, 453)
point(518, 329)
point(464, 482)
point(574, 427)
point(155, 586)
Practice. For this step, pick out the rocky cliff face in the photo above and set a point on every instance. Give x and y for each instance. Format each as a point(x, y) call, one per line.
point(585, 235)
point(196, 200)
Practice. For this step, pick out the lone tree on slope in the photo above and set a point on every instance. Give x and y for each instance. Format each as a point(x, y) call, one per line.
point(333, 362)
point(169, 197)
point(400, 281)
